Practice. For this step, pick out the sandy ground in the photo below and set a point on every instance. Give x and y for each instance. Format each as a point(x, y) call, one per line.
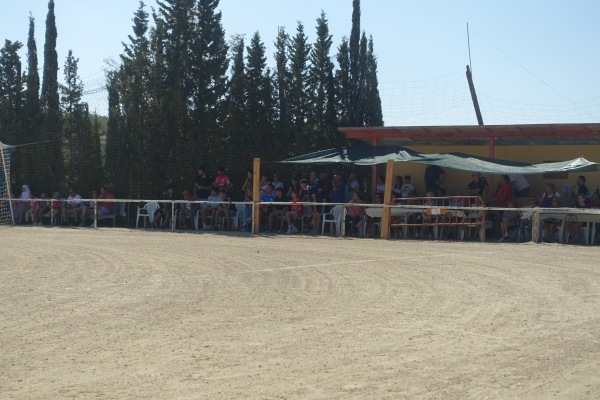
point(115, 313)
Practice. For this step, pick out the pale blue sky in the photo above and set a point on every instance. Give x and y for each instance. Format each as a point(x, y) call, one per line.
point(415, 41)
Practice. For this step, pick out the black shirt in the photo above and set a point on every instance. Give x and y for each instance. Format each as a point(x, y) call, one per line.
point(204, 181)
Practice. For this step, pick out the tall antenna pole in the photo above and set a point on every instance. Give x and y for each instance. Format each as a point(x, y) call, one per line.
point(474, 96)
point(469, 45)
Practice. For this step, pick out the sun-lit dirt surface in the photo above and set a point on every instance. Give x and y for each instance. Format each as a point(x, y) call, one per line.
point(115, 313)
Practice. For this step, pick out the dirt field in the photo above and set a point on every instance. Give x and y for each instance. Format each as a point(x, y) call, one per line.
point(115, 313)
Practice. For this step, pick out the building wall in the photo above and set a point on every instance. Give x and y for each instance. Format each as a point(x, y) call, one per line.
point(457, 180)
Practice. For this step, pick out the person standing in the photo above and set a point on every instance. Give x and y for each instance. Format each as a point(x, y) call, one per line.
point(520, 185)
point(202, 184)
point(434, 176)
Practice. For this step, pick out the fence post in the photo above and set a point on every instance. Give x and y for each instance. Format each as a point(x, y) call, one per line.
point(387, 200)
point(173, 216)
point(535, 229)
point(256, 197)
point(95, 214)
point(343, 221)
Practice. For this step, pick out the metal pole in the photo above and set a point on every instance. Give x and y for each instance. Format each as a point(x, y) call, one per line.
point(95, 214)
point(343, 222)
point(474, 97)
point(256, 197)
point(173, 222)
point(7, 179)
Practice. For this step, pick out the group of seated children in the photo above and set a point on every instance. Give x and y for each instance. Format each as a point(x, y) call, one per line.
point(29, 208)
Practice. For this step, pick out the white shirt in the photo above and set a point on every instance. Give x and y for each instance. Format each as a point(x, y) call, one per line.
point(519, 181)
point(75, 201)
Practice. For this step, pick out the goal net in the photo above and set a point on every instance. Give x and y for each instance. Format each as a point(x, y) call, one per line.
point(6, 216)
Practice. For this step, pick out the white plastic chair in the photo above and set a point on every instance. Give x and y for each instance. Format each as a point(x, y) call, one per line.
point(146, 212)
point(333, 217)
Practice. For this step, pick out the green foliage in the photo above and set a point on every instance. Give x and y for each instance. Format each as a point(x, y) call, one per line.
point(52, 172)
point(184, 96)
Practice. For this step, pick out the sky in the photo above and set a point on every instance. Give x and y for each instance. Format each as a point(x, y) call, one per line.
point(532, 61)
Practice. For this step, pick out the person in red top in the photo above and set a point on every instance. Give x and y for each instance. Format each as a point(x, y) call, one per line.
point(297, 212)
point(503, 195)
point(222, 181)
point(106, 207)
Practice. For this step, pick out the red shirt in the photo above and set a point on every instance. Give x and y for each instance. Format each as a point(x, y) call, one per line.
point(298, 208)
point(106, 204)
point(503, 194)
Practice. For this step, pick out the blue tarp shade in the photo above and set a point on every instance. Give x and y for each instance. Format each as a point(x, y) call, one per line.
point(370, 155)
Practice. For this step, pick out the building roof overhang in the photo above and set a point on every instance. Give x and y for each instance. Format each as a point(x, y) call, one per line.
point(503, 135)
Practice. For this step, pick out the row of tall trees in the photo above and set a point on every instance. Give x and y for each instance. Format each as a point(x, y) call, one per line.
point(186, 96)
point(183, 95)
point(58, 143)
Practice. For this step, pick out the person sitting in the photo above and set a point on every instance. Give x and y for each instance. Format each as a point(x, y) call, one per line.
point(248, 182)
point(338, 190)
point(267, 197)
point(222, 210)
point(354, 215)
point(550, 225)
point(580, 188)
point(165, 212)
point(20, 205)
point(277, 183)
point(73, 205)
point(478, 187)
point(380, 184)
point(33, 208)
point(209, 210)
point(188, 210)
point(397, 188)
point(315, 190)
point(296, 212)
point(277, 210)
point(44, 208)
point(573, 226)
point(56, 207)
point(508, 216)
point(549, 195)
point(244, 213)
point(264, 181)
point(294, 186)
point(222, 181)
point(351, 187)
point(88, 208)
point(408, 189)
point(595, 200)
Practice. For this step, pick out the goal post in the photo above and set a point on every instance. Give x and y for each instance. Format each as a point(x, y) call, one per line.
point(6, 212)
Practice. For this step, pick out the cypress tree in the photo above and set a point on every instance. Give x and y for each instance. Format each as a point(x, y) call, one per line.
point(52, 152)
point(117, 150)
point(32, 92)
point(255, 81)
point(298, 98)
point(343, 84)
point(282, 75)
point(373, 112)
point(11, 92)
point(321, 92)
point(354, 60)
point(236, 126)
point(133, 87)
point(32, 112)
point(83, 143)
point(209, 69)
